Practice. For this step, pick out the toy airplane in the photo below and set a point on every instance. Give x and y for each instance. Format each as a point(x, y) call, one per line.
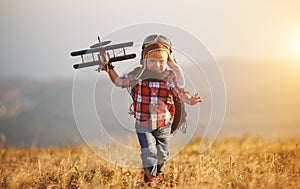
point(102, 54)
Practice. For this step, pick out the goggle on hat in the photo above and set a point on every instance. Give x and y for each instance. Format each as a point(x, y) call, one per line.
point(156, 41)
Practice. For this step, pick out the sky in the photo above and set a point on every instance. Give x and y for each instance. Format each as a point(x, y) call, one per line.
point(38, 36)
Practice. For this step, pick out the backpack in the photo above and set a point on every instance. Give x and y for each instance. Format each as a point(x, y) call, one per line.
point(179, 121)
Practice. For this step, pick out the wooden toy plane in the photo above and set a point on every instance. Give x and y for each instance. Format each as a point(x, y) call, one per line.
point(102, 54)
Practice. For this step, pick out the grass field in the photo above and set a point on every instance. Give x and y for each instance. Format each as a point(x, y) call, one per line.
point(230, 163)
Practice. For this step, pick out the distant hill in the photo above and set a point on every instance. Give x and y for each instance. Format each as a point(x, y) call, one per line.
point(37, 113)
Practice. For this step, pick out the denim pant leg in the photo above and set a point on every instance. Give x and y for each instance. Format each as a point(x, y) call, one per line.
point(148, 151)
point(162, 145)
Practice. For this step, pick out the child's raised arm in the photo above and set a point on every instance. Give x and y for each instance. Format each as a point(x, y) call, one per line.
point(113, 75)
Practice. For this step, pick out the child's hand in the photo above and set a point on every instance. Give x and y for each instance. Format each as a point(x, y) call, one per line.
point(106, 67)
point(193, 99)
point(104, 63)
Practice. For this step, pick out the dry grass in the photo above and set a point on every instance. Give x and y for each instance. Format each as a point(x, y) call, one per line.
point(230, 163)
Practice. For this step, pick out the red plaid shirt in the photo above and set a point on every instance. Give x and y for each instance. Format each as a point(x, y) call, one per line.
point(153, 100)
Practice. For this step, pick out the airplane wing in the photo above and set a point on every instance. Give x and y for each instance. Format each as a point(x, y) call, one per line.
point(97, 62)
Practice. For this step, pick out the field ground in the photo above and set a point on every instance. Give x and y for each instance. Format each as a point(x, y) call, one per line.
point(230, 163)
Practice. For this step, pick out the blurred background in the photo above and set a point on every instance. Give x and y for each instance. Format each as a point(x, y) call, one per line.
point(256, 45)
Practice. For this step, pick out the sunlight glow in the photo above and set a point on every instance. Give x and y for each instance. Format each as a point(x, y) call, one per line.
point(296, 47)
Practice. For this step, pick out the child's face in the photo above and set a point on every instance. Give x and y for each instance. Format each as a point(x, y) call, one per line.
point(157, 61)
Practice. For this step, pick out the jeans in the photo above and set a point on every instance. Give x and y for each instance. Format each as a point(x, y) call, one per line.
point(154, 147)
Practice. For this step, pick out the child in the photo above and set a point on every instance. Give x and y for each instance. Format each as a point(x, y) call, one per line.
point(153, 90)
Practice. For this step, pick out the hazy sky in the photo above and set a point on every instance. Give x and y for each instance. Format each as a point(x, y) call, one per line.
point(37, 36)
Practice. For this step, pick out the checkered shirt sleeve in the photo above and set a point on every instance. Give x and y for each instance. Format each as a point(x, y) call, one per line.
point(128, 80)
